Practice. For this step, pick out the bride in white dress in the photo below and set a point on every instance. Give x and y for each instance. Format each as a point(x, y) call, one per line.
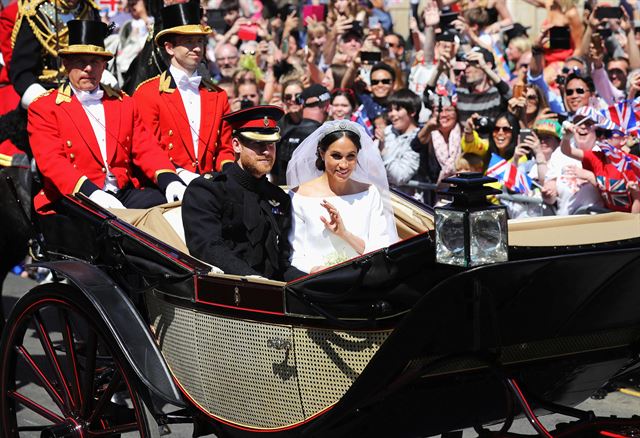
point(340, 197)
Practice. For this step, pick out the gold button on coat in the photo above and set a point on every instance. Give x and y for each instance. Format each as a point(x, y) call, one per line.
point(193, 164)
point(72, 156)
point(170, 132)
point(170, 146)
point(68, 143)
point(104, 170)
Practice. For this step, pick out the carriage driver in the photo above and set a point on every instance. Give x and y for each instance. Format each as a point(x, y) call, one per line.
point(236, 219)
point(183, 109)
point(89, 138)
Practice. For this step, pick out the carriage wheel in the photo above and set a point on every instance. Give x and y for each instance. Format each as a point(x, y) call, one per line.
point(62, 374)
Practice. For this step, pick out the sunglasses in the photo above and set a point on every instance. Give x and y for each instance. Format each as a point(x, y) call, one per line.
point(291, 97)
point(497, 129)
point(567, 70)
point(380, 81)
point(570, 91)
point(532, 98)
point(458, 72)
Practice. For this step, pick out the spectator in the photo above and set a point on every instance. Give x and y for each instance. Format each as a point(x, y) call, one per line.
point(333, 76)
point(578, 92)
point(469, 162)
point(343, 103)
point(400, 160)
point(247, 94)
point(484, 92)
point(315, 102)
point(502, 141)
point(619, 189)
point(531, 106)
point(226, 61)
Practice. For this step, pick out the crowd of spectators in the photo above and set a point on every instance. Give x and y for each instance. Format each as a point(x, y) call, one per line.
point(467, 88)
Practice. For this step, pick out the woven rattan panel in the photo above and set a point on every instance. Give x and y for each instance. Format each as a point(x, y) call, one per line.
point(329, 362)
point(176, 333)
point(232, 368)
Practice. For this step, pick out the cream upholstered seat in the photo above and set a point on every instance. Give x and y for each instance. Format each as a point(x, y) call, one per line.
point(165, 223)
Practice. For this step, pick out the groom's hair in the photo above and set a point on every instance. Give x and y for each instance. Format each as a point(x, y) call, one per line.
point(329, 139)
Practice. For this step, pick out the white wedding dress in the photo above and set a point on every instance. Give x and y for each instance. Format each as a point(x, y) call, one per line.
point(313, 245)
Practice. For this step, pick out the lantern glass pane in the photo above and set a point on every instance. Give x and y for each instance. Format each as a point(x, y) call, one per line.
point(450, 237)
point(488, 230)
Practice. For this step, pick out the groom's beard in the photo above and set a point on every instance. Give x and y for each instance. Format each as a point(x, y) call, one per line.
point(258, 166)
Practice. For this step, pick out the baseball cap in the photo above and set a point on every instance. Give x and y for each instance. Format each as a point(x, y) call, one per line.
point(315, 91)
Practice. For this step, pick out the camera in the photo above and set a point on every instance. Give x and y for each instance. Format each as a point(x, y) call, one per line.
point(483, 125)
point(246, 103)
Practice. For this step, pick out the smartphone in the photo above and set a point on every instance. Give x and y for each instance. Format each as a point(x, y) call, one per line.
point(604, 33)
point(447, 18)
point(374, 22)
point(285, 11)
point(248, 32)
point(315, 11)
point(560, 37)
point(518, 90)
point(524, 133)
point(370, 57)
point(604, 12)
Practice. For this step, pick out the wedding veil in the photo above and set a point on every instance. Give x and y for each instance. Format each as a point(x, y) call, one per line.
point(369, 168)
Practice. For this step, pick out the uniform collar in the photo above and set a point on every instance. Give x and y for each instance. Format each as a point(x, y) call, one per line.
point(244, 178)
point(167, 82)
point(65, 91)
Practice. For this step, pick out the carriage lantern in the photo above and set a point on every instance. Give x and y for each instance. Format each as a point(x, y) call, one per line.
point(470, 231)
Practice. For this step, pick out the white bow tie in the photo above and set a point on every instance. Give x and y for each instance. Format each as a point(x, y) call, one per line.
point(89, 98)
point(191, 83)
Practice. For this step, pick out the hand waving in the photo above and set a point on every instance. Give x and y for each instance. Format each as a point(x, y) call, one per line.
point(334, 223)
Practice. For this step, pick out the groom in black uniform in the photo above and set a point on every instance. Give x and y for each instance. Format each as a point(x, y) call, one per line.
point(236, 219)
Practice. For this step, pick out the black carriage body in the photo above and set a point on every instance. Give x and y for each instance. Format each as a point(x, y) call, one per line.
point(389, 344)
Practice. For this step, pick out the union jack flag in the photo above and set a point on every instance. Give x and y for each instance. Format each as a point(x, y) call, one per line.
point(360, 117)
point(599, 118)
point(614, 192)
point(625, 114)
point(512, 177)
point(628, 165)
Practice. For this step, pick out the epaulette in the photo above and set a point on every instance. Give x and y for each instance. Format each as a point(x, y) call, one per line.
point(112, 92)
point(64, 94)
point(209, 85)
point(165, 83)
point(144, 82)
point(46, 93)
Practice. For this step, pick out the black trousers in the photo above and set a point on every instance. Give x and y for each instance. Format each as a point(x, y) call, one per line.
point(140, 198)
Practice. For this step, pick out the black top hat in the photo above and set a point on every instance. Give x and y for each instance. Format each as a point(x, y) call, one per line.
point(86, 37)
point(257, 123)
point(183, 19)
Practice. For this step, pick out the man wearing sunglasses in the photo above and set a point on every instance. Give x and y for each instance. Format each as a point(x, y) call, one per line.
point(578, 92)
point(315, 108)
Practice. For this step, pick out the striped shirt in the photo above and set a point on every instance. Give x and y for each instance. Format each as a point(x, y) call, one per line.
point(490, 103)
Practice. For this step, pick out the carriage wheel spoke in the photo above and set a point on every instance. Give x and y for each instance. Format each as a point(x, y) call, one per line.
point(91, 349)
point(116, 379)
point(35, 407)
point(123, 428)
point(46, 384)
point(67, 336)
point(52, 357)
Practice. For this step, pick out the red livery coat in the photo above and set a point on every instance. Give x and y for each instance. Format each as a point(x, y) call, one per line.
point(67, 151)
point(9, 99)
point(164, 113)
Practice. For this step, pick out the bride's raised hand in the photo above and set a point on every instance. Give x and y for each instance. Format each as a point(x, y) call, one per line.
point(334, 223)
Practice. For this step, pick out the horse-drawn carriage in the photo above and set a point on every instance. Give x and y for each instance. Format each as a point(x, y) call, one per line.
point(134, 334)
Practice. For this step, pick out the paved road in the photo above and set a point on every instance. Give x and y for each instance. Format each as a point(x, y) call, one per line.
point(614, 404)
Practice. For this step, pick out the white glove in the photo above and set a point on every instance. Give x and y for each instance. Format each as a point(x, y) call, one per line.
point(187, 176)
point(105, 200)
point(109, 79)
point(175, 191)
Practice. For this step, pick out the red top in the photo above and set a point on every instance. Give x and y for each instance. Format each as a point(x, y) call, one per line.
point(612, 183)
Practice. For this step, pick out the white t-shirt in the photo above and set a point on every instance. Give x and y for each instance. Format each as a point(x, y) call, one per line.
point(572, 194)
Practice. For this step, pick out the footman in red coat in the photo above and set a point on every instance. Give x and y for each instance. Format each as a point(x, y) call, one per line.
point(183, 109)
point(89, 138)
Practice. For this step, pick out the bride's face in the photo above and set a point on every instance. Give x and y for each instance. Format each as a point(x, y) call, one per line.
point(340, 159)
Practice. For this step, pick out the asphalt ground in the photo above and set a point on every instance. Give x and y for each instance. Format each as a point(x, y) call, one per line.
point(615, 403)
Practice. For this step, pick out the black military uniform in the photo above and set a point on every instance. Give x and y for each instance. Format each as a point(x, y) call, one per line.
point(236, 221)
